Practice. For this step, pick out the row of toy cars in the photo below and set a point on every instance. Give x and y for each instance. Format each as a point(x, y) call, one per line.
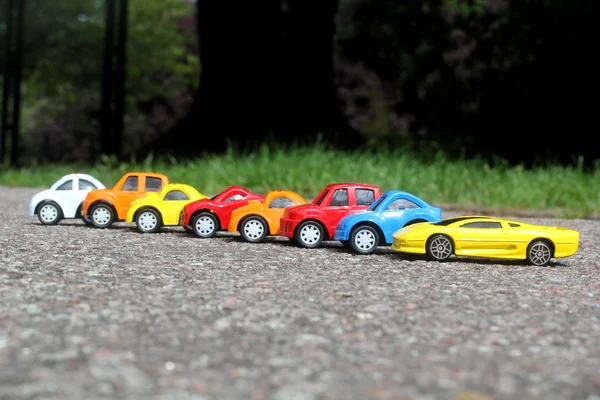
point(358, 215)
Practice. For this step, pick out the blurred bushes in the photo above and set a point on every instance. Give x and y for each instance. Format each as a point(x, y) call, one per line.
point(503, 77)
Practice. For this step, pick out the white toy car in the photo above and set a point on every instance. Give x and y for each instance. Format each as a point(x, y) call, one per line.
point(63, 199)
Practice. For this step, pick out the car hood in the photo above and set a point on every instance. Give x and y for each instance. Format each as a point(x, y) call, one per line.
point(420, 226)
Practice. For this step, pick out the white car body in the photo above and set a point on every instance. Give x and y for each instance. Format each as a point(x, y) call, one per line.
point(68, 193)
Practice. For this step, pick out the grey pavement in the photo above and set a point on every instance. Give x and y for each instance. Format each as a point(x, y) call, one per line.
point(115, 314)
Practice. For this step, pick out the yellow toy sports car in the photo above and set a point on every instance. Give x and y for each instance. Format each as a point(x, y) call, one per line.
point(487, 237)
point(162, 208)
point(258, 219)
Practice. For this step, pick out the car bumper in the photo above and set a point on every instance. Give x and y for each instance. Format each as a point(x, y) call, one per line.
point(408, 246)
point(84, 208)
point(287, 227)
point(341, 234)
point(32, 208)
point(183, 221)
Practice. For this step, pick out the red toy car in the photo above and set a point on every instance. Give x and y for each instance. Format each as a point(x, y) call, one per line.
point(310, 224)
point(207, 216)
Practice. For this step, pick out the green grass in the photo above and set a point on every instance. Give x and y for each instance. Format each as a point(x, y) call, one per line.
point(570, 192)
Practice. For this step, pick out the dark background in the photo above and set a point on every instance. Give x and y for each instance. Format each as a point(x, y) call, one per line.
point(496, 78)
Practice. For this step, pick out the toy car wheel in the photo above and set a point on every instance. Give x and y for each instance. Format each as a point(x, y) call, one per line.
point(364, 240)
point(148, 220)
point(539, 253)
point(49, 213)
point(440, 247)
point(253, 229)
point(205, 225)
point(309, 234)
point(102, 216)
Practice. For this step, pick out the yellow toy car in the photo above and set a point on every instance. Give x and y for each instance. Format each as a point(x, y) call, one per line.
point(156, 210)
point(488, 237)
point(259, 219)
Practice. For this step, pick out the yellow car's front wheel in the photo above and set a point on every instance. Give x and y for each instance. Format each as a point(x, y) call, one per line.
point(439, 247)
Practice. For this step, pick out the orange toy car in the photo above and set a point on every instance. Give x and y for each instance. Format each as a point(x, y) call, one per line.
point(106, 206)
point(259, 219)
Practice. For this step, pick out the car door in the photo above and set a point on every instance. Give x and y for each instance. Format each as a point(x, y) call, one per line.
point(338, 207)
point(397, 213)
point(66, 195)
point(171, 205)
point(481, 238)
point(81, 188)
point(274, 210)
point(233, 201)
point(132, 190)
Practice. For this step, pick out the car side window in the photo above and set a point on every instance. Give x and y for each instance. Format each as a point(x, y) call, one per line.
point(513, 225)
point(364, 197)
point(68, 185)
point(339, 198)
point(400, 204)
point(233, 198)
point(131, 184)
point(84, 184)
point(281, 202)
point(482, 224)
point(153, 184)
point(176, 195)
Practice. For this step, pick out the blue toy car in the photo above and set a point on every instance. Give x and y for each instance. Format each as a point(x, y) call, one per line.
point(364, 231)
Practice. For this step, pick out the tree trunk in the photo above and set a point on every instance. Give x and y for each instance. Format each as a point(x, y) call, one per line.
point(266, 74)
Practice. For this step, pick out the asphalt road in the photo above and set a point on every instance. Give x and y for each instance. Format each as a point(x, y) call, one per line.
point(115, 314)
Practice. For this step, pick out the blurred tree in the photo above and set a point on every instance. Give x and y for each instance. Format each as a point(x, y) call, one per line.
point(63, 67)
point(267, 73)
point(495, 77)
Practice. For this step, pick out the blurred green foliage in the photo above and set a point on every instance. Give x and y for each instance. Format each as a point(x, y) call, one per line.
point(62, 72)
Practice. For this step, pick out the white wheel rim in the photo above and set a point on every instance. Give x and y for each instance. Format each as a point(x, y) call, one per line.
point(101, 215)
point(310, 234)
point(205, 225)
point(147, 220)
point(48, 213)
point(364, 240)
point(539, 254)
point(440, 248)
point(253, 229)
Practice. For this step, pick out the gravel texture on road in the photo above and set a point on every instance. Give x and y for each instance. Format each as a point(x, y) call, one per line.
point(87, 313)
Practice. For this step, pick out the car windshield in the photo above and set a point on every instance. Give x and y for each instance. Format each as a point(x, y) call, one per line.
point(319, 200)
point(453, 220)
point(376, 204)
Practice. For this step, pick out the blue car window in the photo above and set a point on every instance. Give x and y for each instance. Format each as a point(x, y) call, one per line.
point(400, 204)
